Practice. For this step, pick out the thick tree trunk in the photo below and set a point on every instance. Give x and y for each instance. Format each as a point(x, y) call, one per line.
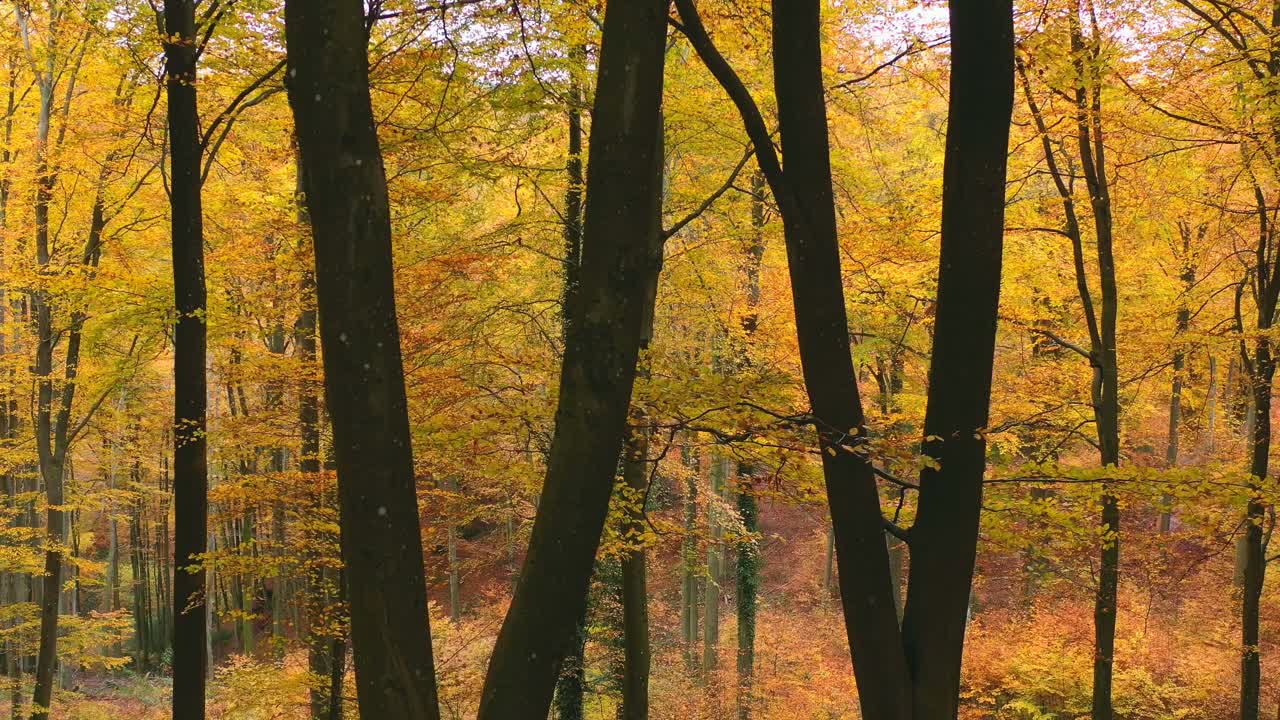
point(191, 480)
point(599, 365)
point(944, 537)
point(346, 195)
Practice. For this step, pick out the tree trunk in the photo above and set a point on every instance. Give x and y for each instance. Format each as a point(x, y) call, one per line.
point(455, 575)
point(346, 196)
point(748, 585)
point(689, 563)
point(635, 589)
point(806, 203)
point(748, 549)
point(944, 537)
point(715, 557)
point(191, 480)
point(1182, 325)
point(598, 368)
point(921, 666)
point(571, 682)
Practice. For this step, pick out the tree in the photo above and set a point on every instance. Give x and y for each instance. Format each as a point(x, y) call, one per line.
point(915, 672)
point(190, 471)
point(599, 365)
point(346, 197)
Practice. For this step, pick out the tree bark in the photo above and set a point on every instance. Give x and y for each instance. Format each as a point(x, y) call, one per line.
point(346, 197)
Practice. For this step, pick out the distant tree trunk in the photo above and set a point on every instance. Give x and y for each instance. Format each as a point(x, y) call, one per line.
point(451, 548)
point(748, 585)
point(1087, 96)
point(599, 365)
point(635, 589)
point(248, 540)
point(279, 522)
point(191, 480)
point(829, 563)
point(748, 550)
point(1182, 325)
point(1211, 407)
point(346, 196)
point(715, 558)
point(689, 563)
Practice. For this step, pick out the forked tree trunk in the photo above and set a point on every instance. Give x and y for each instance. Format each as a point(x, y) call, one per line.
point(915, 673)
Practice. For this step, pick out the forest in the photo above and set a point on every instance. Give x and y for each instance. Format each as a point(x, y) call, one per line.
point(639, 359)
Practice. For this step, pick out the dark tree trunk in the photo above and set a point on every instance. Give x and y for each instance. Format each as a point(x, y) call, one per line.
point(571, 683)
point(326, 641)
point(973, 227)
point(598, 371)
point(191, 481)
point(635, 587)
point(809, 226)
point(1106, 385)
point(944, 537)
point(346, 197)
point(749, 560)
point(1087, 97)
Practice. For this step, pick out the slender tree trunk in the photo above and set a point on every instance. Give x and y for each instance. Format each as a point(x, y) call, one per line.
point(190, 470)
point(715, 557)
point(1182, 325)
point(635, 588)
point(807, 205)
point(1088, 93)
point(1211, 407)
point(689, 563)
point(748, 551)
point(346, 194)
point(748, 585)
point(451, 548)
point(1254, 570)
point(598, 368)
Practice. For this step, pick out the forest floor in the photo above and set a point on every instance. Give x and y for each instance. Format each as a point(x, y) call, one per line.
point(1028, 654)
